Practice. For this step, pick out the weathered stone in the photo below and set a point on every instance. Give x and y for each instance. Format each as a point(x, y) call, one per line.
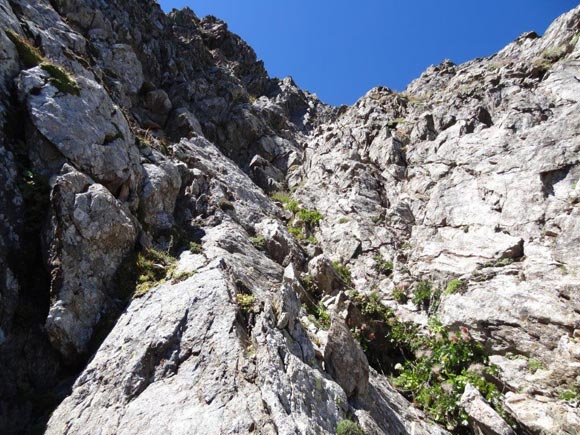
point(324, 275)
point(89, 236)
point(345, 360)
point(483, 419)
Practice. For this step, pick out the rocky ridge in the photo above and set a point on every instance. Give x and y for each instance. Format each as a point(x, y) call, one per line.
point(157, 275)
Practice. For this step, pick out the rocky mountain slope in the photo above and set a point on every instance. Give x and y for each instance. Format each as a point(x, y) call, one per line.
point(190, 246)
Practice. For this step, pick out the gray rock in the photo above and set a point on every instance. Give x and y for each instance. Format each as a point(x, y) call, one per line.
point(345, 360)
point(89, 130)
point(324, 275)
point(483, 419)
point(89, 236)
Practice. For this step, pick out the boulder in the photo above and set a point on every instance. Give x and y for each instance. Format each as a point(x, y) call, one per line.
point(90, 234)
point(345, 360)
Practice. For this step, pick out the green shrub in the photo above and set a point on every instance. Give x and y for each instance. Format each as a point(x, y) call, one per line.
point(400, 296)
point(195, 248)
point(535, 364)
point(153, 268)
point(454, 286)
point(259, 242)
point(319, 316)
point(348, 427)
point(63, 81)
point(343, 220)
point(572, 395)
point(296, 232)
point(245, 302)
point(383, 266)
point(28, 53)
point(284, 197)
point(422, 293)
point(343, 272)
point(312, 240)
point(436, 378)
point(310, 217)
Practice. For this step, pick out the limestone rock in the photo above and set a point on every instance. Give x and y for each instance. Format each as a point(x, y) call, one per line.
point(324, 275)
point(345, 360)
point(90, 235)
point(482, 417)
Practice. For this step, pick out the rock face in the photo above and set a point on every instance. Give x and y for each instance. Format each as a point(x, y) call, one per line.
point(150, 284)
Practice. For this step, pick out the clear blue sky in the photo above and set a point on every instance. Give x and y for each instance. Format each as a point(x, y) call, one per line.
point(339, 49)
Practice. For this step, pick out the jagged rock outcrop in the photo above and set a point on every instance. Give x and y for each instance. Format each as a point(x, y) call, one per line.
point(149, 283)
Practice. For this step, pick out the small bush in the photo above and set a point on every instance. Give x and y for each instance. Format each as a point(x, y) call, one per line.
point(454, 286)
point(245, 302)
point(259, 242)
point(319, 316)
point(312, 240)
point(572, 395)
point(310, 217)
point(343, 220)
point(383, 266)
point(348, 427)
point(283, 197)
point(535, 364)
point(343, 272)
point(195, 248)
point(153, 268)
point(445, 363)
point(400, 296)
point(422, 293)
point(296, 232)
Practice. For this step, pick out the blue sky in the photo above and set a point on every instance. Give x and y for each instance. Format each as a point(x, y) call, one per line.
point(339, 49)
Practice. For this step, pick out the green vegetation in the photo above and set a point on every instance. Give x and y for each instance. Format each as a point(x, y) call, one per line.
point(31, 57)
point(535, 364)
point(296, 232)
point(284, 197)
point(444, 363)
point(195, 248)
point(343, 220)
point(344, 273)
point(153, 268)
point(246, 302)
point(312, 240)
point(454, 286)
point(383, 266)
point(423, 292)
point(61, 79)
point(400, 296)
point(319, 316)
point(348, 427)
point(181, 276)
point(28, 53)
point(225, 205)
point(572, 395)
point(259, 242)
point(310, 217)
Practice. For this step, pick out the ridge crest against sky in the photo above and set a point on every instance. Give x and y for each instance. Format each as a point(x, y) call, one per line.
point(340, 49)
